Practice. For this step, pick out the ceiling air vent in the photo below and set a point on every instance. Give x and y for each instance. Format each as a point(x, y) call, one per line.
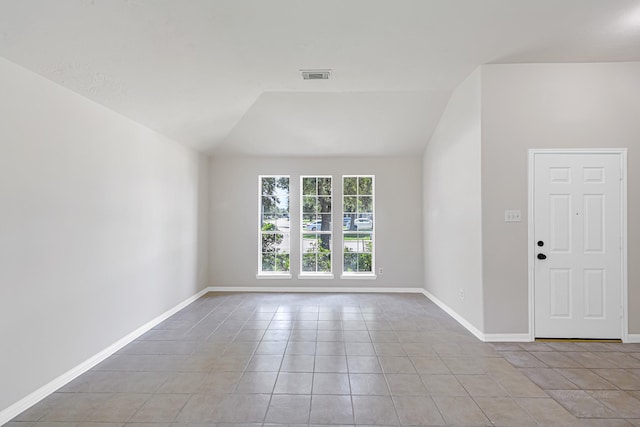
point(315, 74)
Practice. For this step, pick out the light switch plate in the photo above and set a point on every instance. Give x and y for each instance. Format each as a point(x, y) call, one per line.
point(512, 216)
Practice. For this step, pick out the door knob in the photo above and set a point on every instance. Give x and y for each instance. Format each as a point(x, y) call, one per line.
point(540, 243)
point(542, 256)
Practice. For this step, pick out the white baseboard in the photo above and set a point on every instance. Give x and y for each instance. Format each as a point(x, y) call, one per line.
point(475, 331)
point(633, 338)
point(323, 289)
point(313, 289)
point(25, 403)
point(507, 338)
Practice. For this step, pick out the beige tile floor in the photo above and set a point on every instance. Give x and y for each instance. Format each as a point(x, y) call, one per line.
point(266, 359)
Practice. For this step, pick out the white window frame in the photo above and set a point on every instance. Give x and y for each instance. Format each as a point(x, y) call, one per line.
point(271, 274)
point(356, 274)
point(316, 274)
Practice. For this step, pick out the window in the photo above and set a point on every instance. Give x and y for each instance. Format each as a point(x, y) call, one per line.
point(274, 241)
point(315, 225)
point(358, 225)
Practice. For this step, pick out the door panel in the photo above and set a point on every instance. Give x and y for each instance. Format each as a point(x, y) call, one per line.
point(560, 298)
point(594, 223)
point(560, 222)
point(594, 293)
point(578, 286)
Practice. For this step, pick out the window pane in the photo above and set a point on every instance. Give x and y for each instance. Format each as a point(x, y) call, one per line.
point(268, 261)
point(282, 262)
point(285, 243)
point(324, 222)
point(309, 204)
point(282, 184)
point(365, 204)
point(350, 236)
point(346, 222)
point(323, 243)
point(282, 206)
point(350, 204)
point(367, 245)
point(309, 186)
point(357, 242)
point(270, 226)
point(314, 225)
point(269, 206)
point(309, 262)
point(324, 262)
point(309, 242)
point(365, 186)
point(361, 243)
point(364, 262)
point(271, 241)
point(324, 253)
point(350, 261)
point(324, 186)
point(350, 186)
point(267, 243)
point(363, 224)
point(324, 204)
point(268, 186)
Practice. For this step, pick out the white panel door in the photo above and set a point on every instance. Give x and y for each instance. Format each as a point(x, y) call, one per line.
point(578, 245)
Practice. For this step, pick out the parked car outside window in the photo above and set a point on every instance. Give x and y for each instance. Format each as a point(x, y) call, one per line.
point(363, 224)
point(314, 226)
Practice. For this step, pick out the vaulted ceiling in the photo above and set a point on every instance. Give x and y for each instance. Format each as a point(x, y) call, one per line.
point(223, 76)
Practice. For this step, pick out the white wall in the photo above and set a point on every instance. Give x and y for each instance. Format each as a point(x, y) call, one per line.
point(234, 218)
point(452, 205)
point(101, 224)
point(548, 106)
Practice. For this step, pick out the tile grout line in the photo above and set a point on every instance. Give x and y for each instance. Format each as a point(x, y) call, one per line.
point(346, 359)
point(384, 373)
point(313, 373)
point(266, 412)
point(205, 340)
point(425, 385)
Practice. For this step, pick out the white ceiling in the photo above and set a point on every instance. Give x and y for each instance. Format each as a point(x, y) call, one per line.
point(222, 76)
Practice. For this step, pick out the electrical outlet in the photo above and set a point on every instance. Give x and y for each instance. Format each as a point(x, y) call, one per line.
point(461, 294)
point(380, 271)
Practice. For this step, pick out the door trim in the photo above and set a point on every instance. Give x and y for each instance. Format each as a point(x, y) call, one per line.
point(622, 153)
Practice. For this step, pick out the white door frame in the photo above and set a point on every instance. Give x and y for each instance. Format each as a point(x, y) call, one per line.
point(622, 152)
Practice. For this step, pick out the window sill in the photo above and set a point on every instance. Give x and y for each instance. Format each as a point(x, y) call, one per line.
point(359, 276)
point(315, 276)
point(273, 276)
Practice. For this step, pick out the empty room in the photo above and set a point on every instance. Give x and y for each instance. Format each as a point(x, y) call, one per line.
point(245, 213)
